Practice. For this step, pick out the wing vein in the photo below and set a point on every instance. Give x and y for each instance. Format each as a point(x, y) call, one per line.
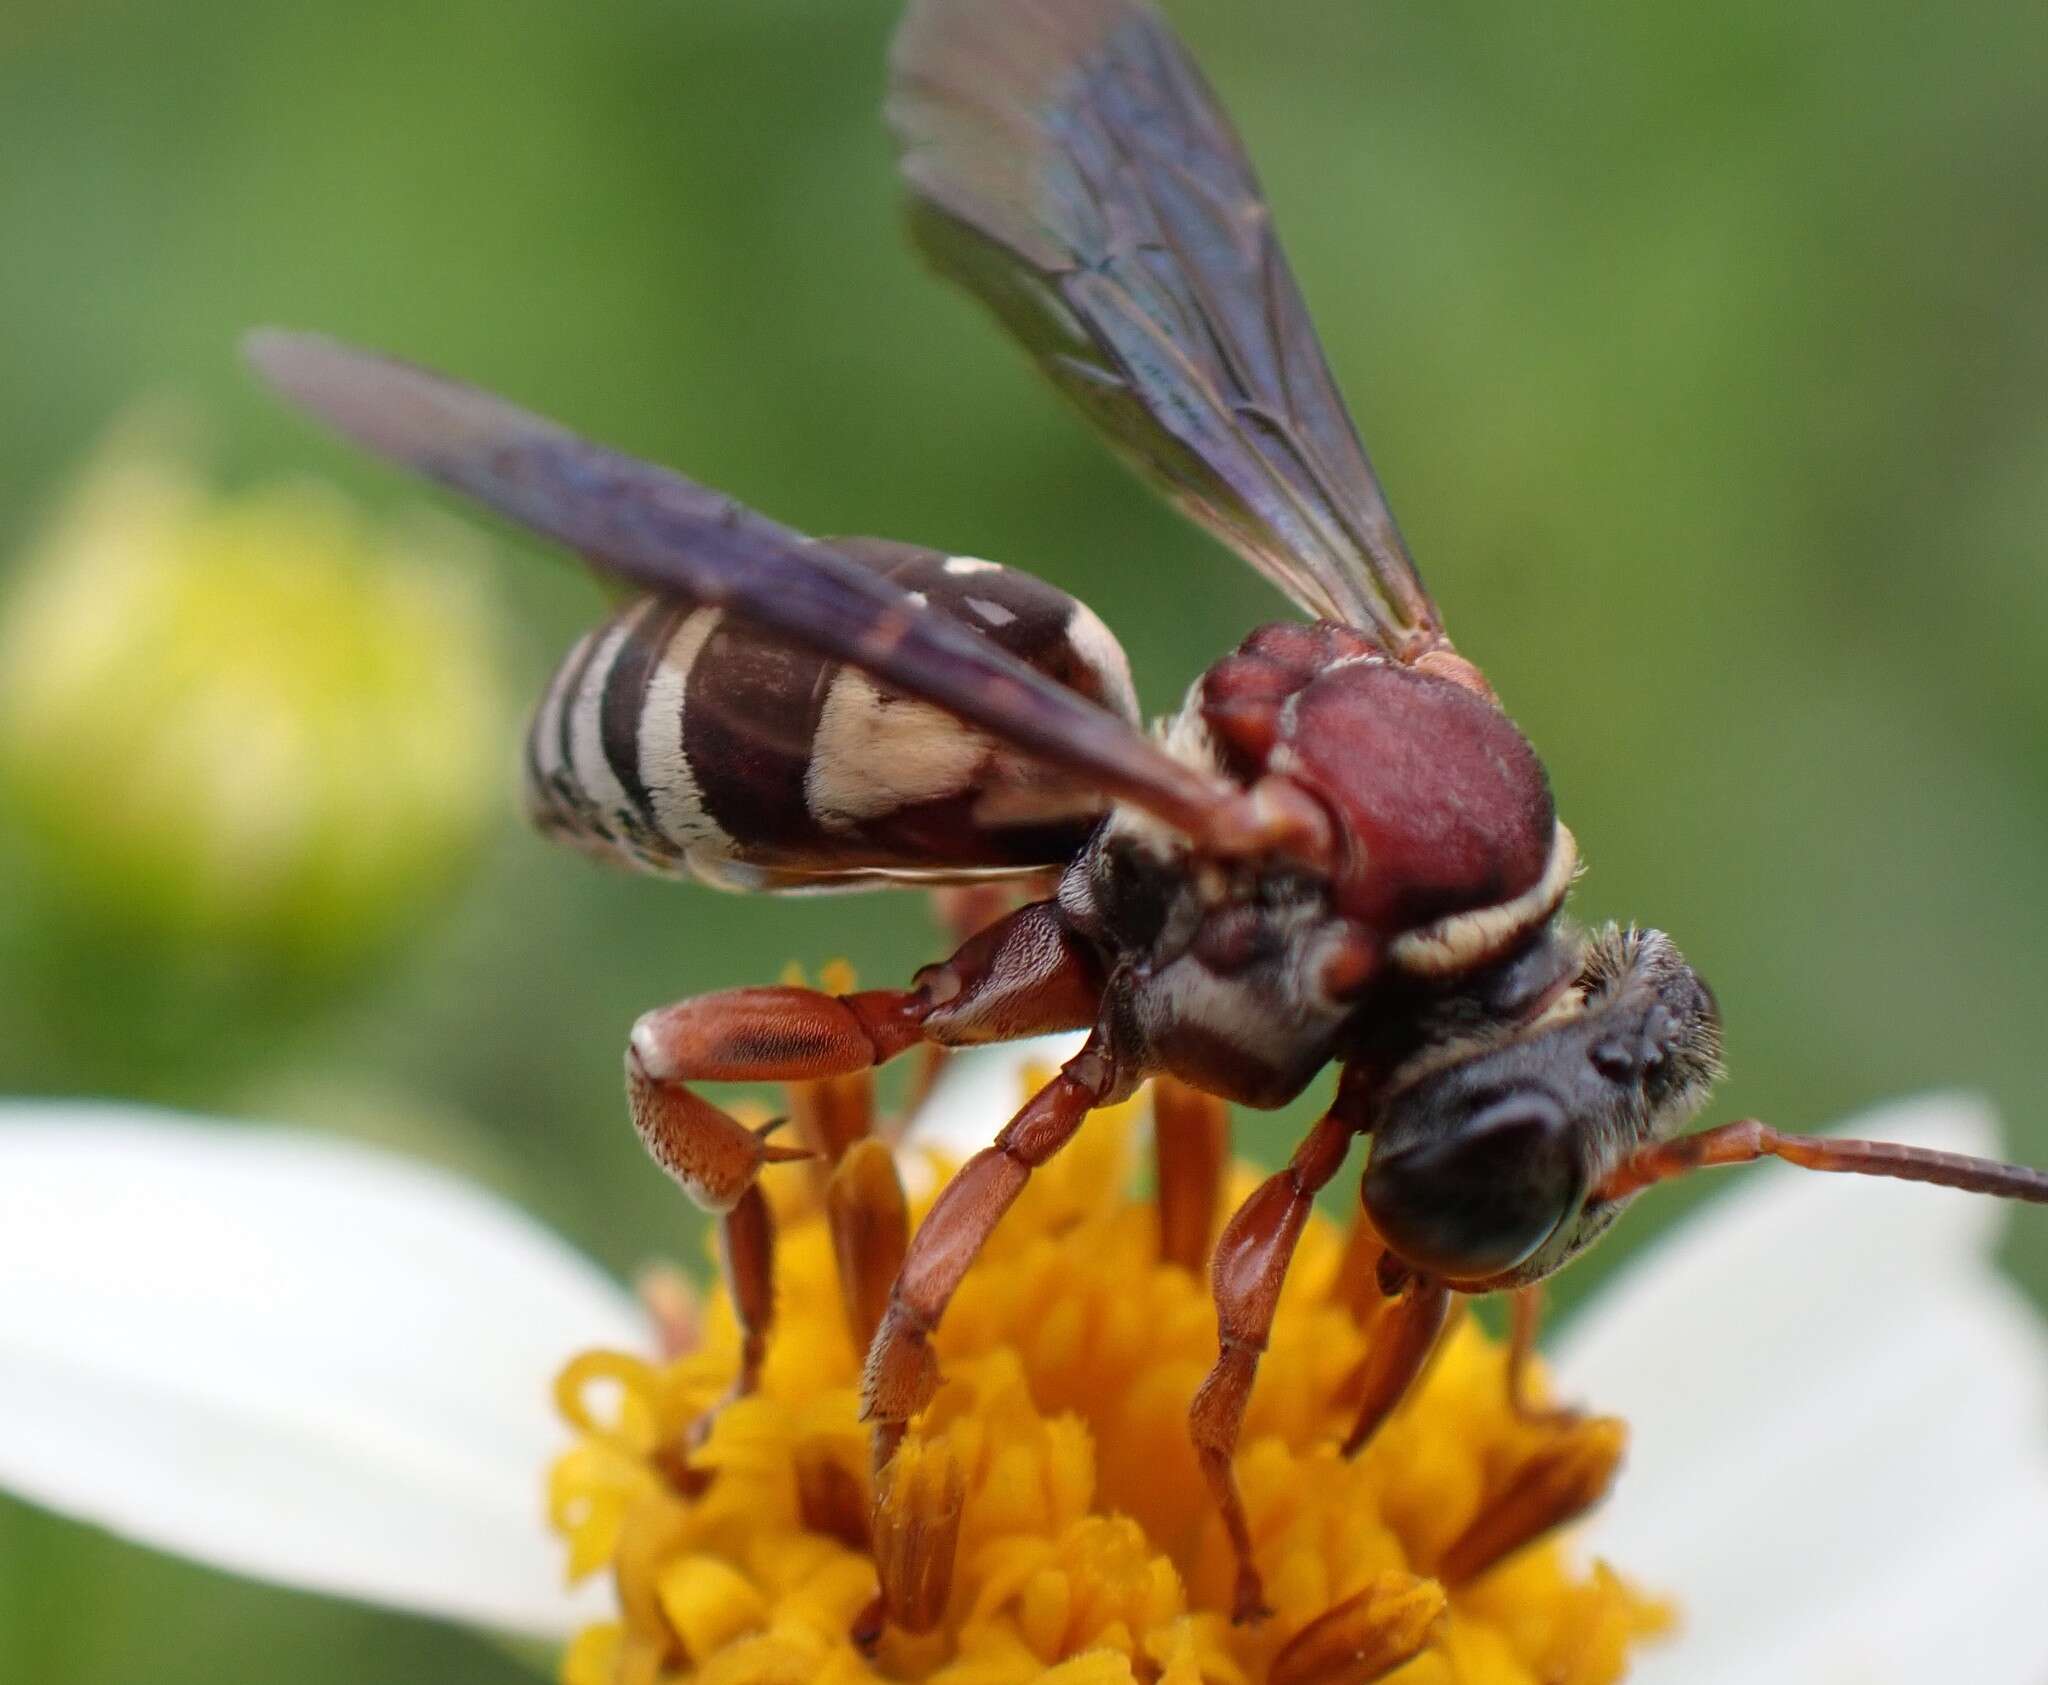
point(1088, 186)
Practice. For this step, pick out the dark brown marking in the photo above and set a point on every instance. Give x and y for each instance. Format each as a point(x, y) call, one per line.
point(749, 715)
point(752, 706)
point(624, 706)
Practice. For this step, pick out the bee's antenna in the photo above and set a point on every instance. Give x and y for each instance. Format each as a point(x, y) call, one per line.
point(1750, 1140)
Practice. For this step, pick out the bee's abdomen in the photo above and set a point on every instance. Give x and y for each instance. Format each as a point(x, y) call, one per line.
point(676, 739)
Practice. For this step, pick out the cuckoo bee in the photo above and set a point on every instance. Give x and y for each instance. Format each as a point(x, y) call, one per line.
point(1339, 849)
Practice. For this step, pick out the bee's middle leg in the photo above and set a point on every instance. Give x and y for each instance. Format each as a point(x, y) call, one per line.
point(1247, 1272)
point(902, 1373)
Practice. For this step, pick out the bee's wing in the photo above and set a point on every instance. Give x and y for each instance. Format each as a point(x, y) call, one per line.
point(665, 534)
point(1069, 165)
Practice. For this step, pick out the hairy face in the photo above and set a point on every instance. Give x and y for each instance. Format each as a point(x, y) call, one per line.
point(1488, 1145)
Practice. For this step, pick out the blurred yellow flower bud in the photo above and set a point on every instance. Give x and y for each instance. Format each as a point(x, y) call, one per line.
point(255, 722)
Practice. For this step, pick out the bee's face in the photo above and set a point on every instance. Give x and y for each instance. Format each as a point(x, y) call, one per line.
point(1482, 1161)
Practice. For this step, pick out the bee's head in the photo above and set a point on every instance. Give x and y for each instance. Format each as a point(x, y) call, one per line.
point(1487, 1145)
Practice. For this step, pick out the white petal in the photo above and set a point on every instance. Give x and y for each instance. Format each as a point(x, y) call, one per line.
point(1840, 1416)
point(290, 1356)
point(981, 1087)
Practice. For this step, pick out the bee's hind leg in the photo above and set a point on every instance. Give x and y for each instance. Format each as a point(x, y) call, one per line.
point(1023, 975)
point(778, 1033)
point(963, 912)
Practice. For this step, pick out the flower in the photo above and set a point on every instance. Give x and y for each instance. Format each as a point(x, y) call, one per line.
point(324, 1365)
point(248, 722)
point(1046, 1518)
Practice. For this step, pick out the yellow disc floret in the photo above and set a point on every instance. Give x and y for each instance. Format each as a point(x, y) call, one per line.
point(1044, 1519)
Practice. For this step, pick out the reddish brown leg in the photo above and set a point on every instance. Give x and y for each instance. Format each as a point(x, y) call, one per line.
point(1525, 1318)
point(901, 1373)
point(748, 1260)
point(779, 1033)
point(1749, 1140)
point(963, 912)
point(1250, 1265)
point(1191, 1153)
point(1022, 976)
point(1402, 1340)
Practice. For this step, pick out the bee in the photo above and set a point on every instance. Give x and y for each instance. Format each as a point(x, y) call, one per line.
point(1339, 849)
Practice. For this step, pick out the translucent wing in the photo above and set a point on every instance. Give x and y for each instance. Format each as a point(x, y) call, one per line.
point(1069, 165)
point(668, 535)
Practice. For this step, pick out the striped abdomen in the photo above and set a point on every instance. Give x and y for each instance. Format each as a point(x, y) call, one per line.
point(679, 740)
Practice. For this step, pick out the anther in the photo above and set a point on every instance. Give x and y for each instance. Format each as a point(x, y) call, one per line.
point(831, 1498)
point(917, 1533)
point(1356, 1285)
point(870, 1223)
point(1559, 1483)
point(1191, 1141)
point(831, 1113)
point(674, 1304)
point(1365, 1637)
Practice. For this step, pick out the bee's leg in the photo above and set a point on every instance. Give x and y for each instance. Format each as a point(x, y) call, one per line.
point(1749, 1140)
point(747, 1256)
point(1191, 1156)
point(747, 1034)
point(963, 912)
point(1402, 1339)
point(1024, 975)
point(1250, 1265)
point(901, 1373)
point(1021, 976)
point(1525, 1317)
point(779, 1033)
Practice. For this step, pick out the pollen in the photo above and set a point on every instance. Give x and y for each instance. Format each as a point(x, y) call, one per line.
point(1044, 1519)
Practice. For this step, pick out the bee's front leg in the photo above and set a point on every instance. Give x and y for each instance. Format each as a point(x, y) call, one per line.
point(1525, 1318)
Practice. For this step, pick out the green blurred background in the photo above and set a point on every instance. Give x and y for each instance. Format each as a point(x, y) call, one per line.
point(1703, 352)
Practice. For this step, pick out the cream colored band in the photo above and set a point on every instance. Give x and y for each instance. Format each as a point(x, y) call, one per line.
point(1463, 940)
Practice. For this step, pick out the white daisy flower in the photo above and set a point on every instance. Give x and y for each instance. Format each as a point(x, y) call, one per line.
point(322, 1365)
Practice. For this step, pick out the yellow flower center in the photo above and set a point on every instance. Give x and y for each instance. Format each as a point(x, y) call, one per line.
point(1045, 1519)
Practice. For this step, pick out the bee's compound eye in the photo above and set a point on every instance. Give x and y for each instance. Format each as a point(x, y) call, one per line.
point(1481, 1194)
